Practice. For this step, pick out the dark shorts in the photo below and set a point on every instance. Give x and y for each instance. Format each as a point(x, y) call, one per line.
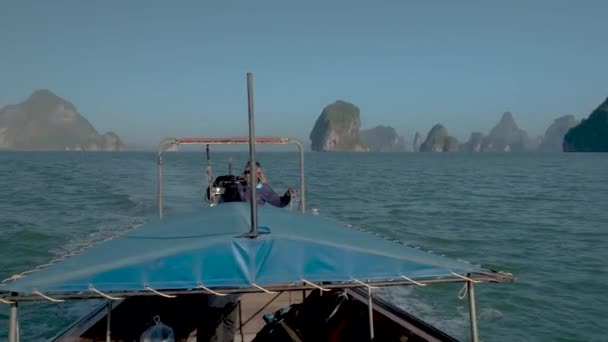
point(218, 324)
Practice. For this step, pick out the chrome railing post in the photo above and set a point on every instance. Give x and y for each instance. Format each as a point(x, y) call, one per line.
point(472, 312)
point(253, 181)
point(370, 306)
point(109, 322)
point(160, 184)
point(13, 334)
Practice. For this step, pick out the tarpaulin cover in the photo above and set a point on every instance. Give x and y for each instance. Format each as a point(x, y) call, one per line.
point(207, 247)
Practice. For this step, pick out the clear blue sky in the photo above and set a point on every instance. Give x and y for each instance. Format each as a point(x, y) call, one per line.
point(150, 69)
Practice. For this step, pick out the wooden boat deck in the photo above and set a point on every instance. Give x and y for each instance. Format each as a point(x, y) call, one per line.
point(130, 318)
point(251, 304)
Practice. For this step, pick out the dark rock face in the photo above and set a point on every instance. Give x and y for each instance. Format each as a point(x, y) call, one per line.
point(438, 140)
point(417, 142)
point(591, 135)
point(47, 122)
point(506, 136)
point(337, 129)
point(554, 136)
point(474, 143)
point(382, 139)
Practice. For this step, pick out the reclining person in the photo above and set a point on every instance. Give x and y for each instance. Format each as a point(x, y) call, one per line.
point(264, 193)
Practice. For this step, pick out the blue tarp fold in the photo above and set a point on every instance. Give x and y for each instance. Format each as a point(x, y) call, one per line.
point(207, 247)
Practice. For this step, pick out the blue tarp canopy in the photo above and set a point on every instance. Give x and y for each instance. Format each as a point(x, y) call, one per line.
point(207, 247)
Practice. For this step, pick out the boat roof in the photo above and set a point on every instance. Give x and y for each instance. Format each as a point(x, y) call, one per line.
point(207, 251)
point(170, 142)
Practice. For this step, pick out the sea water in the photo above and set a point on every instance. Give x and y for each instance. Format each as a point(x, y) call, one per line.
point(542, 217)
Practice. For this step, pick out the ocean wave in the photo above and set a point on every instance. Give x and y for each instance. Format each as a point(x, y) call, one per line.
point(539, 218)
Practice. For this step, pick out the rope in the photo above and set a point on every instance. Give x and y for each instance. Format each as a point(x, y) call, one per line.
point(364, 284)
point(56, 260)
point(315, 285)
point(48, 298)
point(200, 286)
point(159, 293)
point(13, 277)
point(263, 289)
point(465, 278)
point(463, 292)
point(413, 281)
point(4, 301)
point(103, 294)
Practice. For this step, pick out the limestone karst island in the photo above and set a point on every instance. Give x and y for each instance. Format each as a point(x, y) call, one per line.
point(338, 129)
point(47, 122)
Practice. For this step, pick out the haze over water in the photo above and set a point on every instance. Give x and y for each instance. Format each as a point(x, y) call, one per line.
point(178, 69)
point(541, 217)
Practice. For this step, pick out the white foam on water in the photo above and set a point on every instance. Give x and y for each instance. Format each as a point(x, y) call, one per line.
point(407, 298)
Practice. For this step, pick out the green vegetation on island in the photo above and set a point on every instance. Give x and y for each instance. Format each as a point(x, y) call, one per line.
point(438, 140)
point(337, 129)
point(382, 139)
point(591, 135)
point(47, 122)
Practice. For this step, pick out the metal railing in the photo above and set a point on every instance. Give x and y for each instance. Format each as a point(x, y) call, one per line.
point(172, 143)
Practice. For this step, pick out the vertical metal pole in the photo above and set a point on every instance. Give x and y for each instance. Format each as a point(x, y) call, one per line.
point(472, 312)
point(253, 167)
point(160, 185)
point(371, 313)
point(302, 184)
point(230, 166)
point(209, 173)
point(109, 322)
point(241, 321)
point(13, 335)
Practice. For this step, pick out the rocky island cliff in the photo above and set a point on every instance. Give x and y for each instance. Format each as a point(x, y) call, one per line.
point(438, 140)
point(554, 136)
point(474, 143)
point(337, 129)
point(383, 139)
point(591, 135)
point(47, 122)
point(506, 136)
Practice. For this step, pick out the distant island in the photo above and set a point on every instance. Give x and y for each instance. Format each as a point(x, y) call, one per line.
point(382, 139)
point(506, 136)
point(553, 140)
point(591, 135)
point(338, 128)
point(47, 122)
point(438, 140)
